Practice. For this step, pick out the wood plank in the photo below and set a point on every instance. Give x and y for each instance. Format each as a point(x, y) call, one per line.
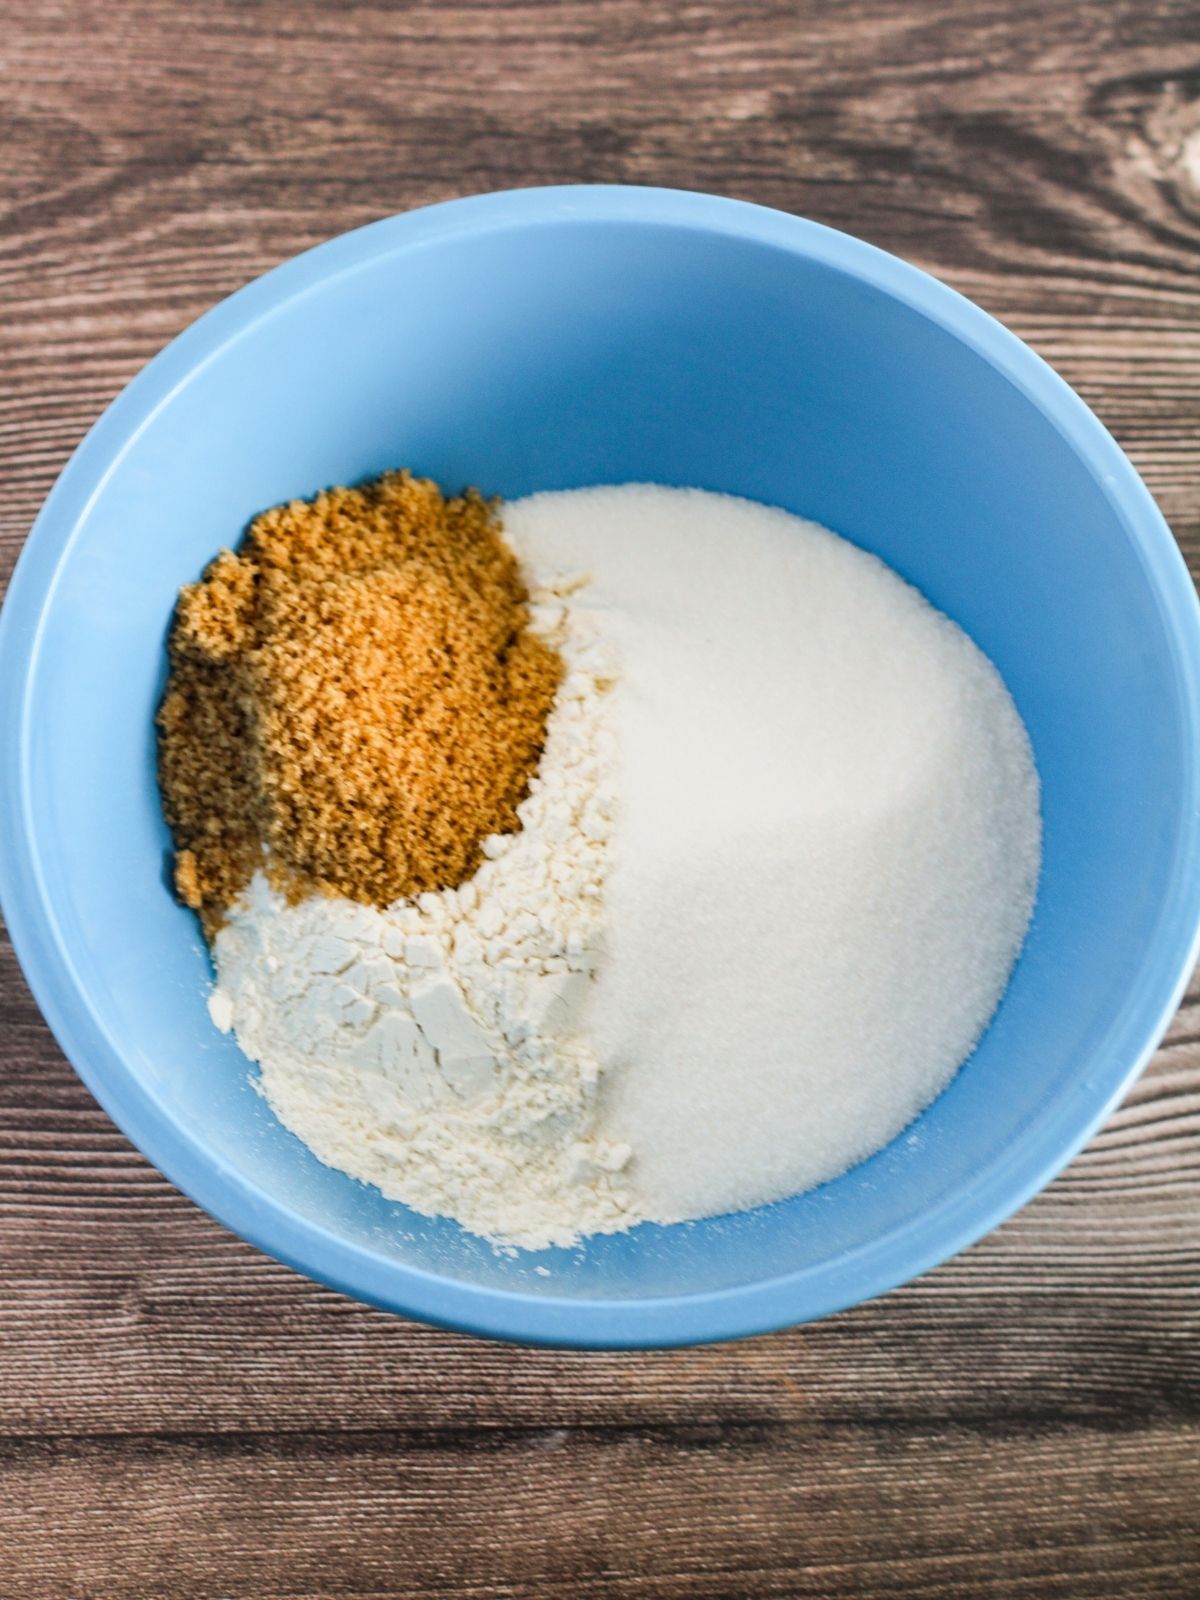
point(820, 1511)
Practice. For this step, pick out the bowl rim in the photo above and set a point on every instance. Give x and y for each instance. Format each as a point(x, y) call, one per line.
point(893, 1258)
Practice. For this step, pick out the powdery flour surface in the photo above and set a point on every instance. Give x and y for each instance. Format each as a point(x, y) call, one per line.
point(827, 850)
point(438, 1049)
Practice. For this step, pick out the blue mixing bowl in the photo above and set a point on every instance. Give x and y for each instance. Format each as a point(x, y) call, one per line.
point(545, 340)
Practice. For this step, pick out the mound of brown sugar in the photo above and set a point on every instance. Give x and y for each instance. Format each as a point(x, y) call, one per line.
point(354, 702)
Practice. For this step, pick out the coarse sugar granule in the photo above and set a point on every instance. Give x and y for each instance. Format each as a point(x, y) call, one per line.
point(355, 700)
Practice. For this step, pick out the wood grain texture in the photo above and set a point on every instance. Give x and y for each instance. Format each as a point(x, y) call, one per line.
point(180, 1416)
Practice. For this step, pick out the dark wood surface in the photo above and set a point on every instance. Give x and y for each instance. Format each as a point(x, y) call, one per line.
point(180, 1416)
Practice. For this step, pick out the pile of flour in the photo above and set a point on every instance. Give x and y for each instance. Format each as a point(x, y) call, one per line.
point(773, 874)
point(438, 1049)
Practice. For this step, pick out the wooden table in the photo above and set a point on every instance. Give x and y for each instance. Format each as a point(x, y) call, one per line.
point(180, 1416)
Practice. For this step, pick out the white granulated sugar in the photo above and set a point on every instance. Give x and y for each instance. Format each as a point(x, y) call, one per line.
point(827, 849)
point(437, 1049)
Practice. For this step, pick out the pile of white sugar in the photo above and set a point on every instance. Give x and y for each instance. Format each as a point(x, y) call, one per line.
point(828, 847)
point(773, 874)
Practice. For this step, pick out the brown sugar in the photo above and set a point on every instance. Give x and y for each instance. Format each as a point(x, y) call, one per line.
point(355, 702)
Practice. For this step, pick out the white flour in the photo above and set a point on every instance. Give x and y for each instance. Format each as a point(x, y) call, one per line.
point(436, 1049)
point(768, 892)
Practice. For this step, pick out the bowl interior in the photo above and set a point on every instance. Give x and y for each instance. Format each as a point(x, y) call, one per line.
point(562, 352)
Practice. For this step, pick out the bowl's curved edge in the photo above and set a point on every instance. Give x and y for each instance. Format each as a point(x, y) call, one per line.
point(873, 1269)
